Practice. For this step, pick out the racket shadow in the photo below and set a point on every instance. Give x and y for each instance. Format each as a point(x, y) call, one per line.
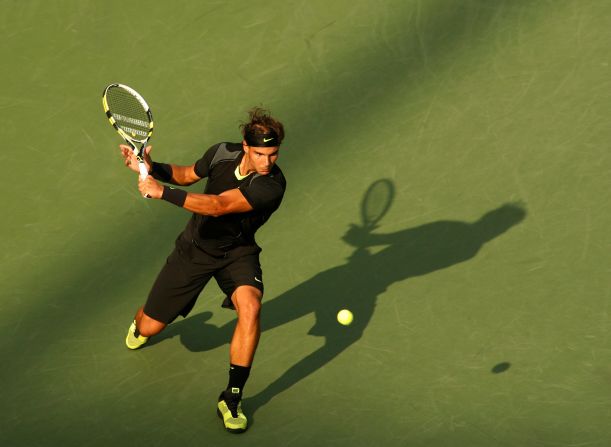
point(355, 285)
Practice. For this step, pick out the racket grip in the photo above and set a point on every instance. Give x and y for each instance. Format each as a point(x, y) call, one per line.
point(143, 175)
point(143, 171)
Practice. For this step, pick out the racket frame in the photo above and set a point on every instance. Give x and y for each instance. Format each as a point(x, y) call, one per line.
point(133, 142)
point(389, 190)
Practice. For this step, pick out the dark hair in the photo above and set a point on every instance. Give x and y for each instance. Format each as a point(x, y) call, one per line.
point(261, 123)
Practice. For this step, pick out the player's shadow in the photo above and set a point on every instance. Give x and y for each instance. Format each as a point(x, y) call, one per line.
point(355, 285)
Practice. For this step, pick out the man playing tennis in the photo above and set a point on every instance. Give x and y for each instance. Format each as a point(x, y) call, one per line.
point(244, 187)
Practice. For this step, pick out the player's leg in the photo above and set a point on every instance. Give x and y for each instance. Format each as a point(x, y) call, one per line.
point(148, 326)
point(141, 329)
point(241, 280)
point(247, 302)
point(174, 292)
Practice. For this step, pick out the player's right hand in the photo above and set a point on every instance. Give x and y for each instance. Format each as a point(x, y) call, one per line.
point(131, 161)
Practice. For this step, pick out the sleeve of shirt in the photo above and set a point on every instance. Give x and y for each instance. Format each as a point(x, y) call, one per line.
point(263, 192)
point(202, 166)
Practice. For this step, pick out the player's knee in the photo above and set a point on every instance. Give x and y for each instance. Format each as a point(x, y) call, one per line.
point(149, 326)
point(250, 309)
point(248, 303)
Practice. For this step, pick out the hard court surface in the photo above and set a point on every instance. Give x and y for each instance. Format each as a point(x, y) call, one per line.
point(481, 298)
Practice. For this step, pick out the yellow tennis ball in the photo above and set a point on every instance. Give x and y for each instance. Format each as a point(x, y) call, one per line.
point(345, 317)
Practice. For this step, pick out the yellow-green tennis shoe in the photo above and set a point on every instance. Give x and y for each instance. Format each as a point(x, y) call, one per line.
point(229, 409)
point(133, 341)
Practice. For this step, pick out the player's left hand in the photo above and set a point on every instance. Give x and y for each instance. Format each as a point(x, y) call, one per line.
point(150, 188)
point(131, 161)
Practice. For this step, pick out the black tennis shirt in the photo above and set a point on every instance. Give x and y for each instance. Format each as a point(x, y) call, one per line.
point(218, 235)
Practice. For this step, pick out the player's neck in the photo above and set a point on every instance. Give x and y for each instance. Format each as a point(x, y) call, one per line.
point(244, 167)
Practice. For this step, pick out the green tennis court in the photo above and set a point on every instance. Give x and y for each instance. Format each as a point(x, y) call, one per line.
point(480, 299)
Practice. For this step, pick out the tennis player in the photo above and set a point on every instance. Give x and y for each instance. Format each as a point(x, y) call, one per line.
point(244, 188)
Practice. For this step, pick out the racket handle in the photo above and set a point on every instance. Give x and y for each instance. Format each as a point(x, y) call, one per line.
point(143, 174)
point(143, 171)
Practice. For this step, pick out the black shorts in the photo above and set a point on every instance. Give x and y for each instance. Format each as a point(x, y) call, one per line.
point(188, 269)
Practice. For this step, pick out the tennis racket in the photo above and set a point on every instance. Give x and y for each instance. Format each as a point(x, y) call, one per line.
point(376, 202)
point(131, 116)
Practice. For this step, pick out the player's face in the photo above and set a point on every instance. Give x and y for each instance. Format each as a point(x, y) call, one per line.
point(261, 159)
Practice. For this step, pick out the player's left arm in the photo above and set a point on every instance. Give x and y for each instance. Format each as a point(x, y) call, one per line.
point(230, 201)
point(260, 193)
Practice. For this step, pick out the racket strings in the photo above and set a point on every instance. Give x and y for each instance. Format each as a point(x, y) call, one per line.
point(128, 113)
point(376, 202)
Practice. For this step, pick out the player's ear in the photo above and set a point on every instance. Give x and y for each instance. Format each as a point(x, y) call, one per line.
point(245, 146)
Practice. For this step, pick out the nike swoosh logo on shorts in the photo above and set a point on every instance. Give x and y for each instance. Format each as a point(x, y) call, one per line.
point(258, 280)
